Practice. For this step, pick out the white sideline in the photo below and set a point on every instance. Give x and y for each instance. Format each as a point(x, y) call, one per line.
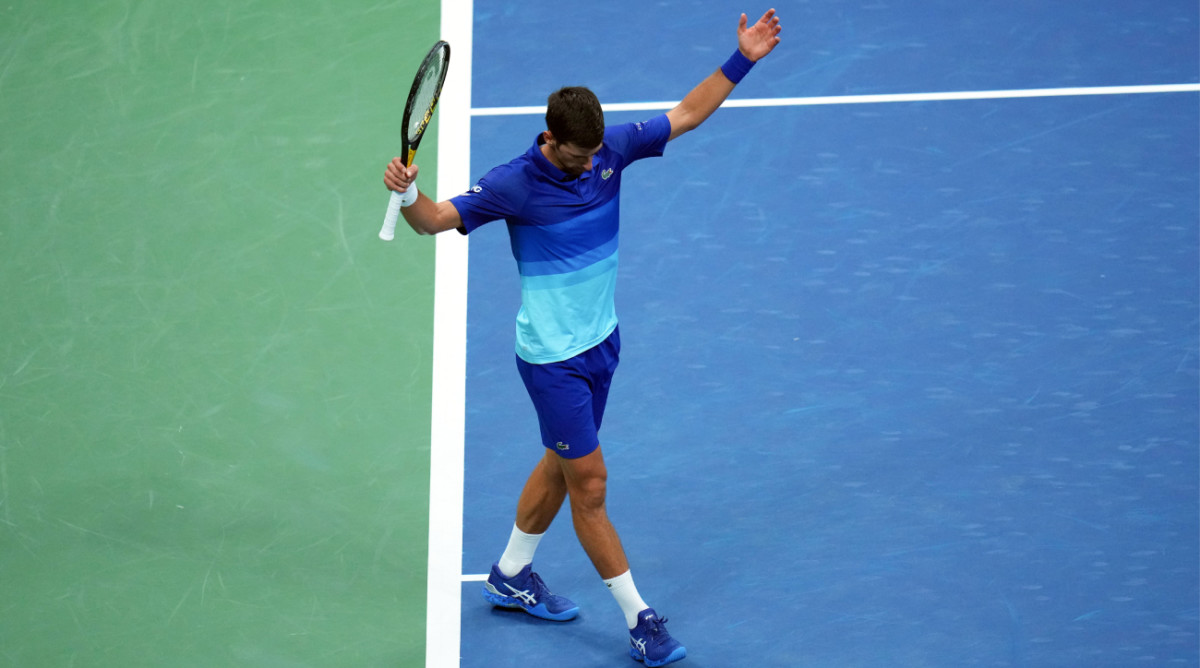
point(446, 458)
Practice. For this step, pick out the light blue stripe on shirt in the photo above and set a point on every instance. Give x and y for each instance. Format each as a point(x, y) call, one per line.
point(573, 312)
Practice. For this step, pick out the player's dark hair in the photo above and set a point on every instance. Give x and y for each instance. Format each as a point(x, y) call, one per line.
point(574, 116)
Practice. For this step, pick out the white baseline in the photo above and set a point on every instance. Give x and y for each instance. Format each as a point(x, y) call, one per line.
point(876, 99)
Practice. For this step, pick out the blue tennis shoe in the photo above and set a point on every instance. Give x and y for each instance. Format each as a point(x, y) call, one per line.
point(650, 643)
point(526, 591)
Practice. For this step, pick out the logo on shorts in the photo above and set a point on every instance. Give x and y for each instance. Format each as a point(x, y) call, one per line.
point(562, 446)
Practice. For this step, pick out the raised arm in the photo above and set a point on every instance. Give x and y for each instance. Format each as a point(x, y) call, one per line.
point(423, 214)
point(754, 42)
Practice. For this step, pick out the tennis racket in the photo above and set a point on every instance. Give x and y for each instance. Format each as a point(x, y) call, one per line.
point(422, 100)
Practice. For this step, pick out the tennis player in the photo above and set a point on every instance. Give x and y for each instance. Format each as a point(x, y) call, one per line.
point(560, 201)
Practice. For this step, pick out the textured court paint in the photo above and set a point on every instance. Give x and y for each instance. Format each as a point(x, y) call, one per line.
point(936, 405)
point(902, 385)
point(214, 410)
point(834, 47)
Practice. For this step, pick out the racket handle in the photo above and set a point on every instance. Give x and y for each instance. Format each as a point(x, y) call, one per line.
point(388, 231)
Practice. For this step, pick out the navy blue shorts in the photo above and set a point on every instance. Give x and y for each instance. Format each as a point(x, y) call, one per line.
point(569, 396)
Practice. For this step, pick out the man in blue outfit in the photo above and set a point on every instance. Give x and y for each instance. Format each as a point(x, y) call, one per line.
point(560, 201)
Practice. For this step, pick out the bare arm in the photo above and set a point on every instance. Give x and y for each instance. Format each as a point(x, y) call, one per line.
point(424, 215)
point(754, 42)
point(699, 104)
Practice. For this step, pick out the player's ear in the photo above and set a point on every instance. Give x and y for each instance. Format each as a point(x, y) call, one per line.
point(548, 136)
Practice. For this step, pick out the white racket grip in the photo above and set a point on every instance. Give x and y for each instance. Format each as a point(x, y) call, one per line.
point(388, 231)
point(397, 200)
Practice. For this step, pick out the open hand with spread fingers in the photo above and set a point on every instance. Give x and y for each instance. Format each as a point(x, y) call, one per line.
point(759, 39)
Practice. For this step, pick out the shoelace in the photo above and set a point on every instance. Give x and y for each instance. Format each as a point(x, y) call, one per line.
point(657, 628)
point(539, 587)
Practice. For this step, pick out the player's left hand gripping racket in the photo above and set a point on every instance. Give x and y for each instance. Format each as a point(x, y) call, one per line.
point(422, 100)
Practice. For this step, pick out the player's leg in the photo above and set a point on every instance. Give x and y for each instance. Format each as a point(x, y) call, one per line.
point(512, 582)
point(559, 397)
point(587, 482)
point(587, 486)
point(543, 495)
point(537, 507)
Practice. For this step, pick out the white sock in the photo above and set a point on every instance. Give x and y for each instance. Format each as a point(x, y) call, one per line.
point(519, 552)
point(627, 596)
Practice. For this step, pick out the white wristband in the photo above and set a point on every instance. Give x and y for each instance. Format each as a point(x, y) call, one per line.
point(409, 196)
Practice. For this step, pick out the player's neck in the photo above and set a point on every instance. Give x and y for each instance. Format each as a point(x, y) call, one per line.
point(550, 157)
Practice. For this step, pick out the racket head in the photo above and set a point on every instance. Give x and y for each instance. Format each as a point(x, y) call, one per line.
point(423, 98)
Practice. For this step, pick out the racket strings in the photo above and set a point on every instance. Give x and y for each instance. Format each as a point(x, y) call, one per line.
point(426, 95)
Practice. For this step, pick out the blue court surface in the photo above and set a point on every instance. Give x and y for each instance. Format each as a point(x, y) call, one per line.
point(903, 384)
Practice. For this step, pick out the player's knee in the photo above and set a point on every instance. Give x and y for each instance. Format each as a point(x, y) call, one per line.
point(589, 493)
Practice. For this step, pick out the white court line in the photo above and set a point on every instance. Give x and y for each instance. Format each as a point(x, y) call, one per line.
point(875, 99)
point(446, 439)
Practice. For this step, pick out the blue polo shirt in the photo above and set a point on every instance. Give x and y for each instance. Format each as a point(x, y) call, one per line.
point(563, 233)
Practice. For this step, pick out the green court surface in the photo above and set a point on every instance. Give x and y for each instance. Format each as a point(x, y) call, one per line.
point(214, 404)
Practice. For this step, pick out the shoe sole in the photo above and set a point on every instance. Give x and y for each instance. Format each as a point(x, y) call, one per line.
point(539, 610)
point(678, 654)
